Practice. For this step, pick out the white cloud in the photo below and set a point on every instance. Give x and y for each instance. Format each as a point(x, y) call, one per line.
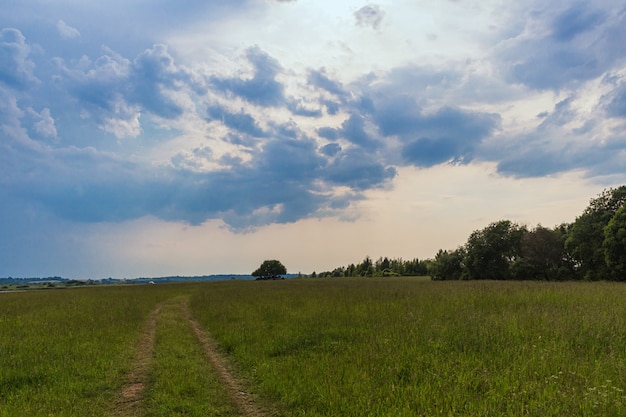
point(125, 121)
point(45, 124)
point(66, 31)
point(16, 66)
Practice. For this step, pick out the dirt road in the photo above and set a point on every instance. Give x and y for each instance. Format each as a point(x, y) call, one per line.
point(130, 399)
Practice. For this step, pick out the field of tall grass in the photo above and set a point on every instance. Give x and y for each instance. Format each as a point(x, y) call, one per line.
point(407, 347)
point(65, 352)
point(326, 347)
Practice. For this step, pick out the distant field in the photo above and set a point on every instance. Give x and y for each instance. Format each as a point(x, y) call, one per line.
point(326, 347)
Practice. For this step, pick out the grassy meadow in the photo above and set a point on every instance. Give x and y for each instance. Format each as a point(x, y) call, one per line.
point(325, 347)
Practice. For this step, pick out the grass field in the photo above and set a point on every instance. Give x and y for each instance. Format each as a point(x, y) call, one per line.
point(326, 347)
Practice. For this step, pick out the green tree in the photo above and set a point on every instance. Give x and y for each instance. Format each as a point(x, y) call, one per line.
point(585, 240)
point(615, 245)
point(448, 265)
point(270, 269)
point(366, 268)
point(492, 250)
point(542, 255)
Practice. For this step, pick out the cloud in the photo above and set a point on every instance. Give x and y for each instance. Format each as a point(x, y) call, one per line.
point(116, 90)
point(44, 124)
point(330, 149)
point(16, 68)
point(66, 31)
point(615, 101)
point(242, 122)
point(328, 133)
point(371, 15)
point(359, 170)
point(564, 47)
point(262, 88)
point(430, 138)
point(575, 21)
point(153, 74)
point(247, 154)
point(286, 180)
point(297, 108)
point(355, 130)
point(319, 79)
point(564, 139)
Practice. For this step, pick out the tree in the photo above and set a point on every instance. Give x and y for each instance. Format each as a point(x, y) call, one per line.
point(615, 245)
point(366, 268)
point(448, 265)
point(542, 253)
point(492, 250)
point(270, 269)
point(585, 241)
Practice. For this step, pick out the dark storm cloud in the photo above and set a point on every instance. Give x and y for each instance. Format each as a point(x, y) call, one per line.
point(282, 183)
point(353, 129)
point(432, 138)
point(262, 88)
point(359, 170)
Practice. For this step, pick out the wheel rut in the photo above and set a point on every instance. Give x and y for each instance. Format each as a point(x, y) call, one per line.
point(129, 400)
point(240, 398)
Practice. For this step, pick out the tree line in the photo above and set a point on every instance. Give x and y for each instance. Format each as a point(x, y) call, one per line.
point(593, 247)
point(382, 267)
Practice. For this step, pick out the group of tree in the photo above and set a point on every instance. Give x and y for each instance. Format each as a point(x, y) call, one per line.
point(382, 267)
point(593, 247)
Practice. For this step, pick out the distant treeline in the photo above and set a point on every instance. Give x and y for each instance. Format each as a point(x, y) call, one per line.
point(383, 267)
point(64, 282)
point(593, 247)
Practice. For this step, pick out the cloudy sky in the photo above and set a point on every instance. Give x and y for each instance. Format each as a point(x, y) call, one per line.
point(151, 138)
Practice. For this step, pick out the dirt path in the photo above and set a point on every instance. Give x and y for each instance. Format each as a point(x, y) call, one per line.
point(241, 399)
point(128, 402)
point(129, 399)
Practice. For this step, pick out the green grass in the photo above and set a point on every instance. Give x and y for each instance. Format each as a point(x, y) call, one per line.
point(326, 347)
point(182, 381)
point(65, 352)
point(407, 347)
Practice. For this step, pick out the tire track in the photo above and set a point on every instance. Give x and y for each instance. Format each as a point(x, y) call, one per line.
point(129, 399)
point(241, 399)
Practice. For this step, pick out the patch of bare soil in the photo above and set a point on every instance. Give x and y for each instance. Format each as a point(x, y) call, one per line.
point(241, 399)
point(129, 399)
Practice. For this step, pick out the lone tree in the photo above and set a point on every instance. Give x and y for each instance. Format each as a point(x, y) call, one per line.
point(270, 269)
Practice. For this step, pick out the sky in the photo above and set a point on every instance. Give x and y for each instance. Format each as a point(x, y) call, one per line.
point(154, 138)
